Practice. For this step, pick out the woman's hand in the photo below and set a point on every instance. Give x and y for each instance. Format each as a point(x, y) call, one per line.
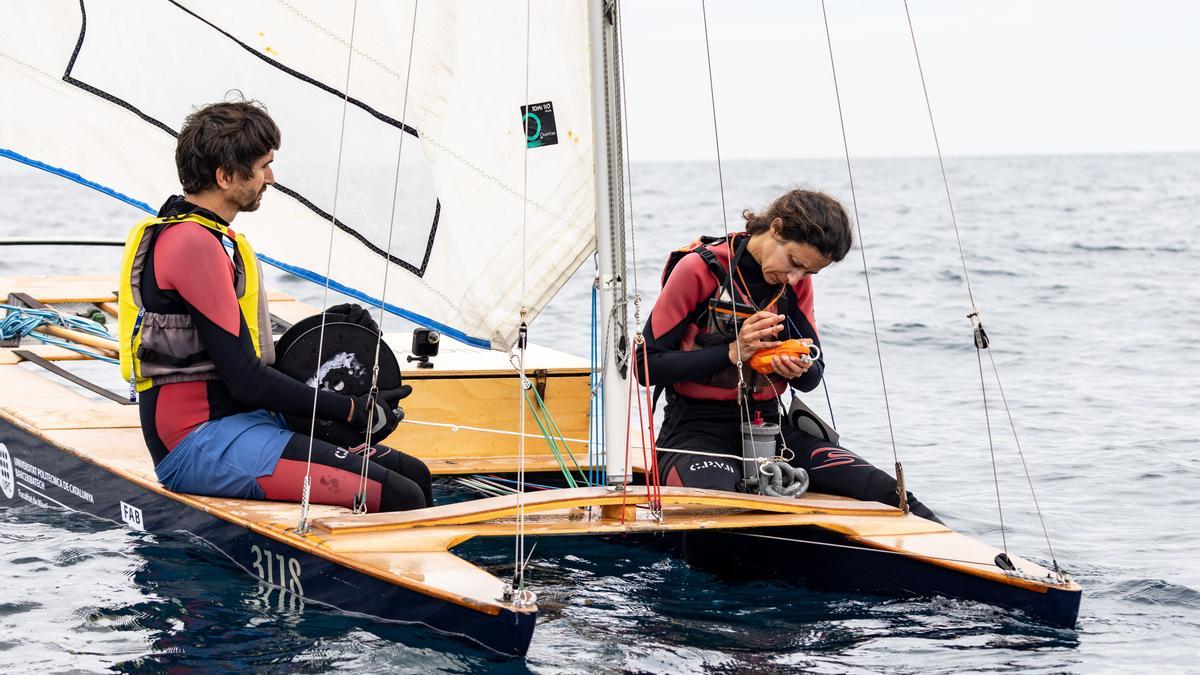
point(758, 332)
point(790, 367)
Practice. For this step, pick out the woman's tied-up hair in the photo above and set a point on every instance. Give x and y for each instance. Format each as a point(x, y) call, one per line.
point(230, 135)
point(808, 217)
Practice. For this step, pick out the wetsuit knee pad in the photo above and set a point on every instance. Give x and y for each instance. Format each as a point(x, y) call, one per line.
point(400, 493)
point(407, 466)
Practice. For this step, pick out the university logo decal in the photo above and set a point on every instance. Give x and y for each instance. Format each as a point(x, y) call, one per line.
point(7, 479)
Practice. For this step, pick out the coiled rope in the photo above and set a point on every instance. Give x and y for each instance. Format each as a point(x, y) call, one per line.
point(21, 322)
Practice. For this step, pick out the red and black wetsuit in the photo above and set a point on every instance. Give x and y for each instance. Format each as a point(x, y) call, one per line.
point(702, 413)
point(188, 271)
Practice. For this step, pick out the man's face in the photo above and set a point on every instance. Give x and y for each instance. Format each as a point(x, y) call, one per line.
point(246, 193)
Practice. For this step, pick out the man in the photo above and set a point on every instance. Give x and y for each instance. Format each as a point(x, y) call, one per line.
point(196, 341)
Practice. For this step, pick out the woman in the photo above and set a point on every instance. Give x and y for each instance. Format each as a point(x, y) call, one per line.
point(707, 323)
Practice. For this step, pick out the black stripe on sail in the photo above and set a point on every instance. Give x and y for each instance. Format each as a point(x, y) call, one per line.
point(417, 270)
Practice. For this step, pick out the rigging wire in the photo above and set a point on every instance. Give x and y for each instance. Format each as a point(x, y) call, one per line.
point(909, 554)
point(361, 494)
point(743, 403)
point(519, 559)
point(638, 341)
point(1021, 454)
point(980, 345)
point(862, 248)
point(306, 491)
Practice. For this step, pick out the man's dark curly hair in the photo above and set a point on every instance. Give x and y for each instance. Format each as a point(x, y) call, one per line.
point(231, 135)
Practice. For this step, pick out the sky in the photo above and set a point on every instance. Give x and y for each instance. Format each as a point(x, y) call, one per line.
point(1004, 77)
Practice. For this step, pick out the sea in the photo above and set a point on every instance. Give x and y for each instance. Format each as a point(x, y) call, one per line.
point(1086, 272)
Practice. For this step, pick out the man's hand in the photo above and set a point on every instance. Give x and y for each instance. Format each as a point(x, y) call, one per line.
point(387, 411)
point(352, 313)
point(758, 332)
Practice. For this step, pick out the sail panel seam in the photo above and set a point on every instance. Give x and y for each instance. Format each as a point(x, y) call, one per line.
point(418, 271)
point(295, 270)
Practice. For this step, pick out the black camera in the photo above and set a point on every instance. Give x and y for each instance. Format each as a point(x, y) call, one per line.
point(424, 346)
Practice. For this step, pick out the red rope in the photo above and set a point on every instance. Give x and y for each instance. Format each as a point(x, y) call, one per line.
point(653, 486)
point(628, 412)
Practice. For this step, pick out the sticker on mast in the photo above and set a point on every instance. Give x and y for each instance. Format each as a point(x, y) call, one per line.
point(539, 124)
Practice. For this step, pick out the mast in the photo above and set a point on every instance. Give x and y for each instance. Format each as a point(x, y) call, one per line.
point(610, 233)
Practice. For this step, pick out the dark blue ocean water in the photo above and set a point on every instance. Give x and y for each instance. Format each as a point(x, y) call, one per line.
point(1087, 271)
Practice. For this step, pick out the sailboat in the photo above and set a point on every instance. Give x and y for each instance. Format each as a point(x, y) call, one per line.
point(452, 163)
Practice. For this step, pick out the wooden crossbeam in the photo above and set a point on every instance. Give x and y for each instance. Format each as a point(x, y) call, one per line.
point(481, 510)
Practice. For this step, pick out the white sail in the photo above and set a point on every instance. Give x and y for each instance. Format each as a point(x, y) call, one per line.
point(96, 90)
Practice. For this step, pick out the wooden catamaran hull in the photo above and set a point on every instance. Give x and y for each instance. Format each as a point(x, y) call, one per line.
point(59, 448)
point(820, 559)
point(46, 475)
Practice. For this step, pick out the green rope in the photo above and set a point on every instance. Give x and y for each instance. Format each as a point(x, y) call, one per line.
point(553, 439)
point(559, 435)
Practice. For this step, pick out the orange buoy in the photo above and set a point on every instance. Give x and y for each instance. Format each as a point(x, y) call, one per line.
point(761, 361)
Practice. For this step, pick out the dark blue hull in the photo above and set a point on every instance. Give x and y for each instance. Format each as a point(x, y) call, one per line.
point(804, 555)
point(40, 473)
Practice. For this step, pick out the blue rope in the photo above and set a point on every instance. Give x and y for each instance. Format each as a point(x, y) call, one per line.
point(23, 322)
point(824, 384)
point(596, 472)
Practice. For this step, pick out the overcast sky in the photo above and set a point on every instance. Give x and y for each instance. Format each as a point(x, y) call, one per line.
point(1005, 77)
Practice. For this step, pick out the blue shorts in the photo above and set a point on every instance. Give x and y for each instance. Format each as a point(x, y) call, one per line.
point(224, 457)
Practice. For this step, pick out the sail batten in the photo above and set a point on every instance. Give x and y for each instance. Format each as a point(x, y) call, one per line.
point(98, 90)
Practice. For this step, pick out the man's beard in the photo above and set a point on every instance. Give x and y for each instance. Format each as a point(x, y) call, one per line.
point(252, 203)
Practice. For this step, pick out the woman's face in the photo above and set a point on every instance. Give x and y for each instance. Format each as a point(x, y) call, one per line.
point(789, 261)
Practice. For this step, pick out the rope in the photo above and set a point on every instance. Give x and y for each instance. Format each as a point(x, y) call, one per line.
point(1021, 454)
point(596, 453)
point(519, 594)
point(306, 491)
point(463, 427)
point(981, 341)
point(653, 482)
point(627, 184)
point(873, 550)
point(361, 495)
point(743, 405)
point(22, 322)
point(862, 248)
point(824, 382)
point(991, 447)
point(552, 435)
point(938, 146)
point(653, 485)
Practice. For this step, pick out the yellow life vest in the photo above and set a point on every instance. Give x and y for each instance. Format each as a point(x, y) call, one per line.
point(157, 348)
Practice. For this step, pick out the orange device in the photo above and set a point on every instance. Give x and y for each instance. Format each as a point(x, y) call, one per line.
point(761, 361)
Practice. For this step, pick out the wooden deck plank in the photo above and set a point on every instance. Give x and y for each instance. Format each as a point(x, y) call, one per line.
point(53, 289)
point(958, 551)
point(48, 352)
point(439, 570)
point(98, 288)
point(41, 403)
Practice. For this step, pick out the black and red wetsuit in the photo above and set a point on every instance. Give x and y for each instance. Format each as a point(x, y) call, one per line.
point(702, 413)
point(188, 271)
